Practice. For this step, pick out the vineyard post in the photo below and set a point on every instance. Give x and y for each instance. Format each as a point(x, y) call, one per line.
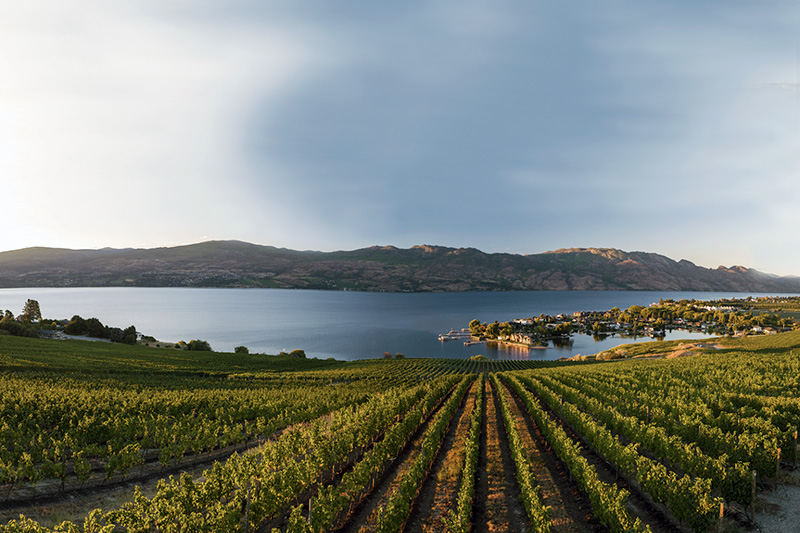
point(778, 465)
point(754, 495)
point(246, 527)
point(794, 455)
point(310, 503)
point(721, 513)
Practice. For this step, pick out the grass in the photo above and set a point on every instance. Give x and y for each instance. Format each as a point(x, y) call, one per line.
point(755, 344)
point(90, 358)
point(781, 343)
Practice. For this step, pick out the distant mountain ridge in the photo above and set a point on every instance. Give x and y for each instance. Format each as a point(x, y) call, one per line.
point(422, 268)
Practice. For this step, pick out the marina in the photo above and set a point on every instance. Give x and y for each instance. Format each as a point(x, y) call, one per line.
point(343, 325)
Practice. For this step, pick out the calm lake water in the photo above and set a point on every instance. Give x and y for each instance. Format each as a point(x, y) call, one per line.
point(344, 325)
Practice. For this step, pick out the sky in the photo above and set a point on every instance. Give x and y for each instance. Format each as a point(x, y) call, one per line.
point(667, 126)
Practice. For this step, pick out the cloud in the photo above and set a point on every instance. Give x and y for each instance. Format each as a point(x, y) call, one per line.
point(124, 119)
point(500, 125)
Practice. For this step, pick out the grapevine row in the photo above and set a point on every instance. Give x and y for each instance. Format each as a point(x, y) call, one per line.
point(70, 431)
point(335, 501)
point(460, 518)
point(689, 499)
point(608, 502)
point(398, 507)
point(538, 513)
point(734, 481)
point(761, 451)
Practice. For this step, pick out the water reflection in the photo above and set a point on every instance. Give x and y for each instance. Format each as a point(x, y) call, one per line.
point(584, 344)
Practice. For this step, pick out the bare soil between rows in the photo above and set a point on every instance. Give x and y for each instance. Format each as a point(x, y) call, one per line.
point(498, 505)
point(438, 492)
point(570, 509)
point(639, 504)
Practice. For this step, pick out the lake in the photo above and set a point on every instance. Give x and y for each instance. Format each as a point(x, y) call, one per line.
point(343, 325)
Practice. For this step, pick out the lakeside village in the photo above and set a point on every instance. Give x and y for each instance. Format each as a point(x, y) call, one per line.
point(749, 316)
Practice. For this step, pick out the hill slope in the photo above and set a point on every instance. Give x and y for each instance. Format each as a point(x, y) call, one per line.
point(386, 268)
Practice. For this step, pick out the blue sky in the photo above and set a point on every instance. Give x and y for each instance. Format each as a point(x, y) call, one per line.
point(509, 126)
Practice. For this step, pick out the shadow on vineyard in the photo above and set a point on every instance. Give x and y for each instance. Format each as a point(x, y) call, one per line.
point(249, 442)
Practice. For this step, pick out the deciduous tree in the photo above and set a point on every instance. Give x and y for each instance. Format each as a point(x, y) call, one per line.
point(31, 310)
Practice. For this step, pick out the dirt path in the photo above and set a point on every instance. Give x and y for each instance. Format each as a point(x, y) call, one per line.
point(499, 503)
point(570, 508)
point(778, 509)
point(439, 490)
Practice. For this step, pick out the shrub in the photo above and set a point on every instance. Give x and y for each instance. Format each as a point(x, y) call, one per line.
point(298, 353)
point(12, 327)
point(197, 345)
point(76, 326)
point(241, 349)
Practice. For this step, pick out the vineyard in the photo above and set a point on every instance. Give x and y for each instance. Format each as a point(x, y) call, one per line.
point(102, 438)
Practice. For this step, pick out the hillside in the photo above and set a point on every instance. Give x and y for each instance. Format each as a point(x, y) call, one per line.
point(378, 268)
point(148, 439)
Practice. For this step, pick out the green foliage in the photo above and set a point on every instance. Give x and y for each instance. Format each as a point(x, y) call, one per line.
point(96, 329)
point(460, 518)
point(686, 430)
point(197, 345)
point(92, 327)
point(398, 507)
point(475, 328)
point(493, 330)
point(19, 329)
point(129, 335)
point(608, 501)
point(31, 311)
point(241, 349)
point(77, 326)
point(538, 513)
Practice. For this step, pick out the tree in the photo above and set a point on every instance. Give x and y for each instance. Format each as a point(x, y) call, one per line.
point(8, 325)
point(493, 330)
point(197, 345)
point(129, 335)
point(475, 327)
point(114, 334)
point(31, 311)
point(241, 349)
point(96, 329)
point(634, 310)
point(298, 353)
point(76, 326)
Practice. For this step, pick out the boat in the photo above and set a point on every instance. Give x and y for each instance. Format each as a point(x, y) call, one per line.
point(453, 335)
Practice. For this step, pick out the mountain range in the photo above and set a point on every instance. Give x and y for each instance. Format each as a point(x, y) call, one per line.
point(377, 268)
